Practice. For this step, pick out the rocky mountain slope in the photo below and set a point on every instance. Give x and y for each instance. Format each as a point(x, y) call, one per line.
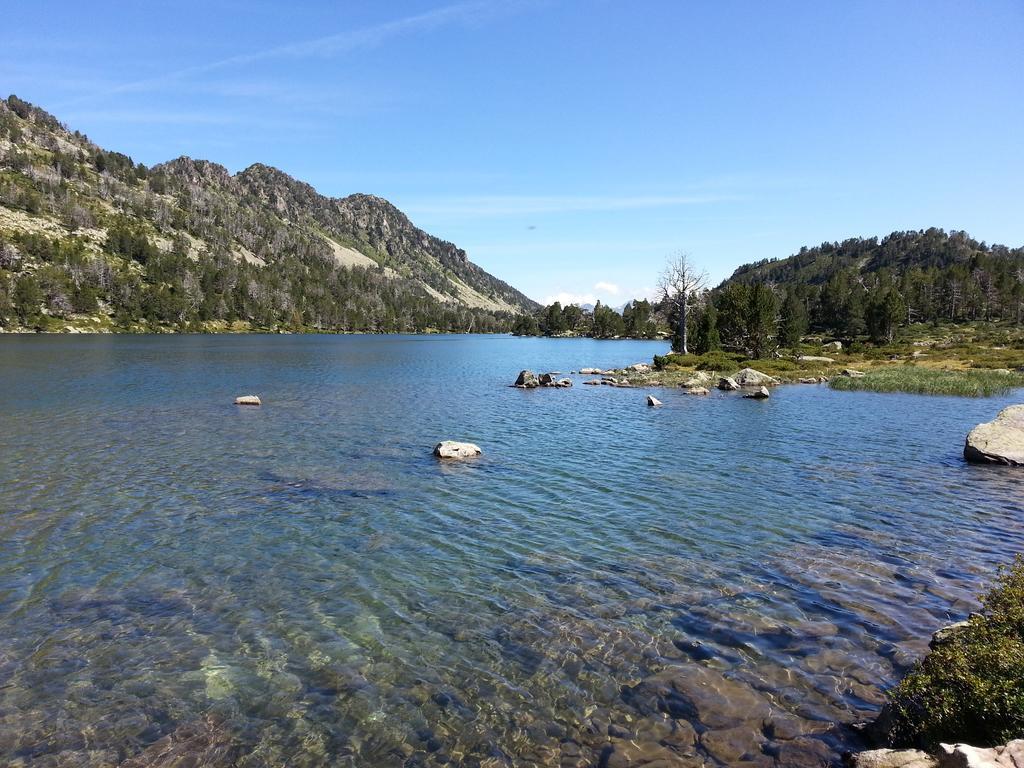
point(91, 240)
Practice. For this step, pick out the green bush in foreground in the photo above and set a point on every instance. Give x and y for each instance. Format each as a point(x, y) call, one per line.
point(929, 381)
point(970, 688)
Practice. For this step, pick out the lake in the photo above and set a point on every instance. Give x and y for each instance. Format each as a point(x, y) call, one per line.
point(716, 581)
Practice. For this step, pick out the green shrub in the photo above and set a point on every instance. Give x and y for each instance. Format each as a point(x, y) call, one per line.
point(970, 688)
point(720, 361)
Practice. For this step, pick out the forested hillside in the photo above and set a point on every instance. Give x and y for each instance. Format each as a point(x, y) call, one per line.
point(91, 240)
point(863, 289)
point(924, 276)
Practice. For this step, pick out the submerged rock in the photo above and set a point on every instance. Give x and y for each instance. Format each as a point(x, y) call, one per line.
point(748, 377)
point(761, 393)
point(1000, 441)
point(248, 400)
point(450, 449)
point(527, 380)
point(652, 400)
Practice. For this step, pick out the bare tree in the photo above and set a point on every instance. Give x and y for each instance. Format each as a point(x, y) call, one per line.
point(680, 281)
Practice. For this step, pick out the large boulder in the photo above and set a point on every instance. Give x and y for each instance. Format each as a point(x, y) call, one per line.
point(247, 400)
point(450, 449)
point(891, 758)
point(966, 756)
point(748, 377)
point(546, 380)
point(527, 380)
point(728, 384)
point(698, 379)
point(697, 391)
point(835, 346)
point(761, 393)
point(1000, 441)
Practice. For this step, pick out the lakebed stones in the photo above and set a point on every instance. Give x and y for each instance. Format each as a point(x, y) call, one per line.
point(1000, 441)
point(761, 393)
point(653, 401)
point(452, 449)
point(248, 400)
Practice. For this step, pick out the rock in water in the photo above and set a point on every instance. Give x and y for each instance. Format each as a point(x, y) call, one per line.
point(547, 380)
point(697, 391)
point(728, 384)
point(761, 393)
point(527, 380)
point(652, 400)
point(247, 400)
point(748, 377)
point(450, 449)
point(590, 371)
point(1000, 441)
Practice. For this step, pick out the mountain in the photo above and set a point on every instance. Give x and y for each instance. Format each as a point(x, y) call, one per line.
point(90, 239)
point(867, 285)
point(899, 252)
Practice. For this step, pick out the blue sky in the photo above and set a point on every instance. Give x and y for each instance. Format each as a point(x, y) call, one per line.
point(569, 146)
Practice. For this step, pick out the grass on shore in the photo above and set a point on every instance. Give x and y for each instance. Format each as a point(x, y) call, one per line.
point(974, 382)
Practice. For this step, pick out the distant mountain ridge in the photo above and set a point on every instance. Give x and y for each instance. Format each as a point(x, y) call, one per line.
point(898, 252)
point(189, 233)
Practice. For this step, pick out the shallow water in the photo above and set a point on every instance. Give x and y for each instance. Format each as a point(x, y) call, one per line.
point(717, 581)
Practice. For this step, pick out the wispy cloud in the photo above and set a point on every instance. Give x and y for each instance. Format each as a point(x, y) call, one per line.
point(320, 47)
point(492, 206)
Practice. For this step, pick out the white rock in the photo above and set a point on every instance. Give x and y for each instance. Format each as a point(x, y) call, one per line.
point(892, 758)
point(748, 377)
point(761, 393)
point(966, 756)
point(652, 400)
point(247, 400)
point(697, 391)
point(450, 449)
point(1000, 441)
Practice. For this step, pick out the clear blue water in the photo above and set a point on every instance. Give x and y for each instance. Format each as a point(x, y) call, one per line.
point(717, 581)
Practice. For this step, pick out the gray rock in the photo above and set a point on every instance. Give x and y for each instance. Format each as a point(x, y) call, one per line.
point(546, 380)
point(248, 400)
point(728, 384)
point(815, 359)
point(808, 380)
point(450, 449)
point(593, 381)
point(1000, 441)
point(652, 400)
point(891, 758)
point(945, 634)
point(590, 371)
point(565, 383)
point(965, 756)
point(698, 379)
point(748, 377)
point(761, 393)
point(851, 374)
point(640, 367)
point(527, 380)
point(834, 345)
point(698, 391)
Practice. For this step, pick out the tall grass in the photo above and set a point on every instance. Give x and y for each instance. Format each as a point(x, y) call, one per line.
point(929, 381)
